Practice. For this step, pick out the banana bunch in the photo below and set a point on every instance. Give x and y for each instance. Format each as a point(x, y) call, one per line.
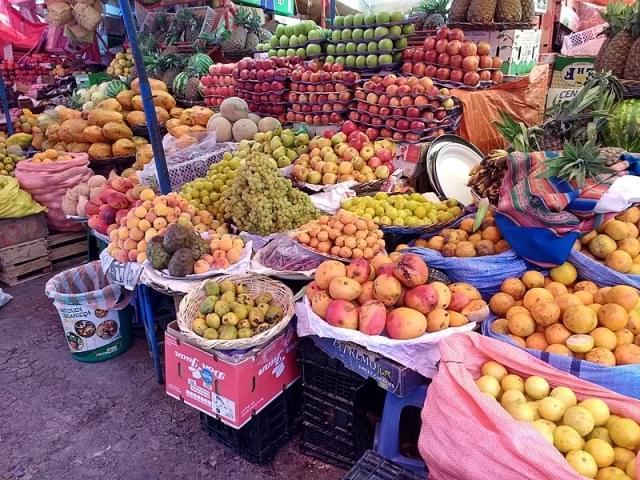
point(485, 179)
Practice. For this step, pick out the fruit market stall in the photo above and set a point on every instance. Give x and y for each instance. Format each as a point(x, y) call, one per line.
point(344, 215)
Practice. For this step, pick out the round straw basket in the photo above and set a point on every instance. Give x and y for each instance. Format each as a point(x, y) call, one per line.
point(256, 284)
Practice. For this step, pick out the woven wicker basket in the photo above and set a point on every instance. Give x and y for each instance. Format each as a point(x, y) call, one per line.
point(256, 284)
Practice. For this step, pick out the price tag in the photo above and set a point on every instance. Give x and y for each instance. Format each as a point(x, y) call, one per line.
point(125, 274)
point(105, 260)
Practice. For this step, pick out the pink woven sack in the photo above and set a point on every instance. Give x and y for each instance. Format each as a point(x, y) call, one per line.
point(467, 435)
point(48, 182)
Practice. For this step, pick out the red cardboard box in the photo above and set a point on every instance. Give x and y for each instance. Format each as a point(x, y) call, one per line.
point(231, 391)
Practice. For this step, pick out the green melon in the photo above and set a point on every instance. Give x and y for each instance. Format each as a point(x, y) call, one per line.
point(180, 84)
point(200, 62)
point(623, 127)
point(114, 87)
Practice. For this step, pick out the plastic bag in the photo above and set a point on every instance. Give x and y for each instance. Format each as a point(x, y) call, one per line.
point(48, 183)
point(4, 298)
point(286, 257)
point(87, 285)
point(420, 354)
point(523, 99)
point(624, 379)
point(599, 273)
point(176, 152)
point(15, 202)
point(456, 413)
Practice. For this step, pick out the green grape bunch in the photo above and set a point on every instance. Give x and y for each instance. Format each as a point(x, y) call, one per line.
point(261, 201)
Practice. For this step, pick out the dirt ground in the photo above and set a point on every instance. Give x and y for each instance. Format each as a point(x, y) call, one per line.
point(62, 419)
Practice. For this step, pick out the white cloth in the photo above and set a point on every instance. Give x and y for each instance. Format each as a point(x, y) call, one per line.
point(624, 192)
point(4, 298)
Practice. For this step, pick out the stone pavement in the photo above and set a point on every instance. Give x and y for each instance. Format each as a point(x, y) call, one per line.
point(63, 419)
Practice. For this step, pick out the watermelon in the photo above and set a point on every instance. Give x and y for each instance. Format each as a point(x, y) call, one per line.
point(623, 127)
point(114, 87)
point(200, 62)
point(180, 84)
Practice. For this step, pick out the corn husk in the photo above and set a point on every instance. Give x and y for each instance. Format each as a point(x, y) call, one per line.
point(87, 16)
point(59, 14)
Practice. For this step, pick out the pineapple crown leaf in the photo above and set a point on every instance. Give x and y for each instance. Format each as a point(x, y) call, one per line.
point(428, 7)
point(514, 132)
point(577, 162)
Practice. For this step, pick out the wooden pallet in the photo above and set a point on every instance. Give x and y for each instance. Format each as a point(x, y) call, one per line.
point(67, 245)
point(24, 262)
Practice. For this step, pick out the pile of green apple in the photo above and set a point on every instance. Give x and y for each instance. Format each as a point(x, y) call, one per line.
point(303, 40)
point(368, 41)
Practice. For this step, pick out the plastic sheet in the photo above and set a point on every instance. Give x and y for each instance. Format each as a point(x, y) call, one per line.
point(284, 257)
point(405, 352)
point(599, 273)
point(456, 413)
point(523, 99)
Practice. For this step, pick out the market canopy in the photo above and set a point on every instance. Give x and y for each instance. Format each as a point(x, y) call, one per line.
point(16, 29)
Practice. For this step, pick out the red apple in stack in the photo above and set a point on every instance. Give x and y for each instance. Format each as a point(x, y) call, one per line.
point(447, 56)
point(219, 83)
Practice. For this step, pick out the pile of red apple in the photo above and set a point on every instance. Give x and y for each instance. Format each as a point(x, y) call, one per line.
point(404, 108)
point(263, 83)
point(448, 57)
point(320, 94)
point(219, 84)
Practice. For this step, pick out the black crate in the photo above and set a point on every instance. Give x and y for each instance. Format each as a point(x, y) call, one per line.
point(340, 408)
point(260, 439)
point(374, 467)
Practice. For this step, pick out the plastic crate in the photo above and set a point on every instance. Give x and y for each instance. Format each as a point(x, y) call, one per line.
point(374, 467)
point(260, 439)
point(339, 408)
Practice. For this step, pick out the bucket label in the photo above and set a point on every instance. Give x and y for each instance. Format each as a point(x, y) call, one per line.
point(87, 329)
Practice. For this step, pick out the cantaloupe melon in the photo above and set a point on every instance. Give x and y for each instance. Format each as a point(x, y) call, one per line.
point(222, 127)
point(234, 108)
point(254, 118)
point(268, 124)
point(244, 129)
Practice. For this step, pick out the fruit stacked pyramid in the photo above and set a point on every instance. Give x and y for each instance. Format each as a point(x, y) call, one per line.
point(368, 42)
point(595, 442)
point(263, 84)
point(405, 108)
point(320, 94)
point(448, 57)
point(219, 84)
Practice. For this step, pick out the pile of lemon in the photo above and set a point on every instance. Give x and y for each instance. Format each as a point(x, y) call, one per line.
point(596, 443)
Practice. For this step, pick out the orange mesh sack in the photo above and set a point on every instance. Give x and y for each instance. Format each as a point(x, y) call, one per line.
point(523, 99)
point(466, 435)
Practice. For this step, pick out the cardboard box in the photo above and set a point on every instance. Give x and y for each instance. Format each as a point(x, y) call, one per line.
point(390, 375)
point(518, 49)
point(228, 388)
point(569, 74)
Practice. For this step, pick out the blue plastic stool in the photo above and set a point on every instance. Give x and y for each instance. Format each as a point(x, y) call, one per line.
point(387, 440)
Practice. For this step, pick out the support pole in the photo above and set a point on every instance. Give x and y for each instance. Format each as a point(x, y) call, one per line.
point(147, 100)
point(5, 105)
point(332, 11)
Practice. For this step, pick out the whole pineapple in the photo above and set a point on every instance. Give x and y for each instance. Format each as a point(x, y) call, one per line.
point(508, 11)
point(613, 15)
point(632, 67)
point(436, 14)
point(192, 90)
point(611, 154)
point(613, 54)
point(171, 66)
point(238, 38)
point(193, 27)
point(253, 29)
point(458, 10)
point(482, 11)
point(577, 163)
point(528, 11)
